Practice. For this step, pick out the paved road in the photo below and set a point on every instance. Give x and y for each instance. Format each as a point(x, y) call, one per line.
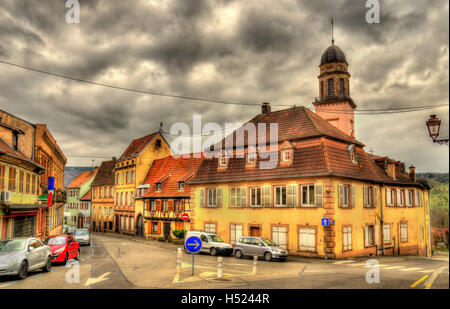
point(116, 261)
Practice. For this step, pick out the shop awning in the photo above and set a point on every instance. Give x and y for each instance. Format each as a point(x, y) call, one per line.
point(26, 206)
point(43, 197)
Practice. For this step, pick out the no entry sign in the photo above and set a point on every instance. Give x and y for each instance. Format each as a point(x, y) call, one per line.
point(185, 217)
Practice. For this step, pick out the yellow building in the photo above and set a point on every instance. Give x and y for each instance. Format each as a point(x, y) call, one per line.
point(102, 198)
point(130, 171)
point(322, 173)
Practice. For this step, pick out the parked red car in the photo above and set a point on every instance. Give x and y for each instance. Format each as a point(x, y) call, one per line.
point(64, 248)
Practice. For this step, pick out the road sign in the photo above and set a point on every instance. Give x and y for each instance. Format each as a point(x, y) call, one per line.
point(325, 222)
point(185, 217)
point(193, 244)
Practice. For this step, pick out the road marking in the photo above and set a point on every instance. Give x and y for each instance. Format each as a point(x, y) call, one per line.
point(433, 277)
point(393, 267)
point(52, 271)
point(8, 284)
point(343, 262)
point(357, 264)
point(97, 280)
point(426, 271)
point(410, 269)
point(34, 276)
point(380, 265)
point(419, 281)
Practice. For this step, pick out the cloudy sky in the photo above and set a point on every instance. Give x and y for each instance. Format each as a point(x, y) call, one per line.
point(241, 51)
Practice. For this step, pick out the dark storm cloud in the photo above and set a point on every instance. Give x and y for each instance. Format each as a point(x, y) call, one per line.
point(245, 51)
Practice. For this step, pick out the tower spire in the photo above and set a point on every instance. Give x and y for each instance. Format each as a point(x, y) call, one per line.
point(332, 31)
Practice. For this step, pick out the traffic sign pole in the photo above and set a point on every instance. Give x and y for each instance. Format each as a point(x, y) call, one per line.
point(193, 254)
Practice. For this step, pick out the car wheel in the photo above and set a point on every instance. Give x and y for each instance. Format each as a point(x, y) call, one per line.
point(268, 256)
point(238, 254)
point(23, 270)
point(66, 258)
point(78, 255)
point(48, 265)
point(213, 251)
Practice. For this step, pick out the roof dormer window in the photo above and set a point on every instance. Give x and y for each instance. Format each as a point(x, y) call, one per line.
point(222, 162)
point(251, 158)
point(352, 153)
point(158, 187)
point(181, 186)
point(286, 155)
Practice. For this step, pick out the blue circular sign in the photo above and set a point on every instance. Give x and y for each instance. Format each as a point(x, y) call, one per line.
point(193, 244)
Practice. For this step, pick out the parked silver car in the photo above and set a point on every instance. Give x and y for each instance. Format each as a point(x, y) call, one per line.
point(211, 243)
point(20, 255)
point(82, 236)
point(261, 247)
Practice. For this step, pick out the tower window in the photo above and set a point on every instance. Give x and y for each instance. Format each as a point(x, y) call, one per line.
point(341, 87)
point(321, 89)
point(330, 88)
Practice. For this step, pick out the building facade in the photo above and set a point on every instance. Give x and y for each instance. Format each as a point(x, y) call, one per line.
point(50, 156)
point(373, 205)
point(130, 171)
point(19, 204)
point(78, 207)
point(165, 195)
point(103, 198)
point(38, 145)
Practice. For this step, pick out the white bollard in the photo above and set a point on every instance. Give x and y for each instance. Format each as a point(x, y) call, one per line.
point(255, 260)
point(219, 267)
point(178, 268)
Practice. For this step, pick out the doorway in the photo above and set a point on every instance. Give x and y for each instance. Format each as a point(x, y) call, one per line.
point(166, 230)
point(255, 231)
point(140, 226)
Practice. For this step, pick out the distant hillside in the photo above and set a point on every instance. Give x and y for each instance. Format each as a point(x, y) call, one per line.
point(439, 197)
point(73, 171)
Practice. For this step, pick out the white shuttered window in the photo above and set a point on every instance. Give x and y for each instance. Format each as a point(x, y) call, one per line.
point(307, 239)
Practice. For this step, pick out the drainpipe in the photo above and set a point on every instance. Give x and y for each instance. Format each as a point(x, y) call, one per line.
point(382, 219)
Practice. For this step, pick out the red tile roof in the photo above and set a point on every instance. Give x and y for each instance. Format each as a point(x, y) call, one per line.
point(172, 170)
point(136, 146)
point(295, 123)
point(5, 148)
point(105, 174)
point(322, 158)
point(81, 179)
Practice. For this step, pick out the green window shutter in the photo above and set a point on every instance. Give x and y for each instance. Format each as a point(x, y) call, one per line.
point(219, 197)
point(341, 195)
point(291, 195)
point(319, 194)
point(243, 197)
point(233, 197)
point(353, 196)
point(375, 197)
point(202, 197)
point(265, 196)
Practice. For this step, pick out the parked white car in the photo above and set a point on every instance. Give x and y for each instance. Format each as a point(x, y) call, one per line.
point(211, 243)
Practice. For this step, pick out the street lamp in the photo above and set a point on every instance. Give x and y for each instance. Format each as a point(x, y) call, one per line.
point(434, 125)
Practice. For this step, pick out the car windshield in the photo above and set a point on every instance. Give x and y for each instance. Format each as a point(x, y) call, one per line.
point(12, 244)
point(215, 238)
point(269, 242)
point(60, 240)
point(81, 232)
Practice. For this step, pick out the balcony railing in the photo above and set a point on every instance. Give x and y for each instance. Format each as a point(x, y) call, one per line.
point(163, 215)
point(329, 99)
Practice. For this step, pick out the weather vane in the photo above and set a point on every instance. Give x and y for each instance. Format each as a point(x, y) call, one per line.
point(332, 32)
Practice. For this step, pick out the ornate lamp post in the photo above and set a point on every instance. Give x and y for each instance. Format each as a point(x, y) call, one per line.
point(434, 124)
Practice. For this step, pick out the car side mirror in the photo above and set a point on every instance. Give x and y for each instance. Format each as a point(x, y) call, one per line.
point(30, 248)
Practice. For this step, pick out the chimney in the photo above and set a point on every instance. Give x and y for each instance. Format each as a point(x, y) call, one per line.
point(265, 108)
point(412, 172)
point(114, 158)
